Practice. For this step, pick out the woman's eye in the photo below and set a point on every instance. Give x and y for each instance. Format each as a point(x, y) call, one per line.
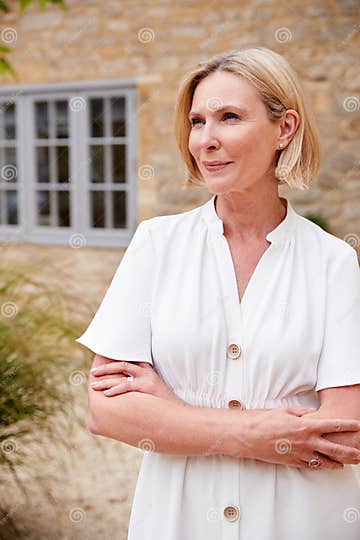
point(231, 114)
point(226, 115)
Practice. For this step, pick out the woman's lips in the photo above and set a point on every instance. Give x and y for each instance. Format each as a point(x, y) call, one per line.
point(216, 167)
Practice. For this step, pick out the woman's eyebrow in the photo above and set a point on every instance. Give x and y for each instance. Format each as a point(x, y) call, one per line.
point(217, 110)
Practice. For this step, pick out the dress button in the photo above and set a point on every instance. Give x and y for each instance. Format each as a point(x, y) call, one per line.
point(236, 403)
point(231, 513)
point(234, 350)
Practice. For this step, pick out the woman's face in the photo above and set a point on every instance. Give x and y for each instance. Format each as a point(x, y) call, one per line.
point(241, 133)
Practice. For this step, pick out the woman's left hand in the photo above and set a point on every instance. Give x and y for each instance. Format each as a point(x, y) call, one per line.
point(113, 380)
point(346, 438)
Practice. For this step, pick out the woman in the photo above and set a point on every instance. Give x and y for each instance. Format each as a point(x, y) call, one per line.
point(241, 311)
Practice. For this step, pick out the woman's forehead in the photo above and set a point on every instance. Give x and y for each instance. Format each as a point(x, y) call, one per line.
point(228, 88)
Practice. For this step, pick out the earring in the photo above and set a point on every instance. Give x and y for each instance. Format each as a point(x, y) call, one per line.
point(281, 145)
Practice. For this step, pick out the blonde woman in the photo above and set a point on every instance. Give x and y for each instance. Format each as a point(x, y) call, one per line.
point(227, 344)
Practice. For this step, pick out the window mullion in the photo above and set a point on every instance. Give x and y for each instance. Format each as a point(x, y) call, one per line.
point(2, 207)
point(79, 175)
point(53, 208)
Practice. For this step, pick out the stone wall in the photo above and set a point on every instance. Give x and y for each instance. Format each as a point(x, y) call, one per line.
point(158, 41)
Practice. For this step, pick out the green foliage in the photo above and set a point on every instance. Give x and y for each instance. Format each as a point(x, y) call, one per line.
point(319, 220)
point(23, 4)
point(42, 370)
point(5, 66)
point(4, 7)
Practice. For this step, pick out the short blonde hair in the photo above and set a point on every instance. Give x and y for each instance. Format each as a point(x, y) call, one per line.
point(279, 89)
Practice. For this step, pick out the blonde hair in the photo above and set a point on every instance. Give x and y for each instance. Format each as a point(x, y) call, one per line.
point(279, 88)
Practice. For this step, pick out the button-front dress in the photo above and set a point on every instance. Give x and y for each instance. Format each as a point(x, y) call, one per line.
point(173, 302)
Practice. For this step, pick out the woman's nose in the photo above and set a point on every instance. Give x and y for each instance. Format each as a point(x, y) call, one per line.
point(209, 137)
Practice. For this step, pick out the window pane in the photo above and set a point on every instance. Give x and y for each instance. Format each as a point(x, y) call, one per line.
point(8, 168)
point(42, 164)
point(10, 156)
point(2, 122)
point(118, 162)
point(118, 117)
point(63, 209)
point(96, 163)
point(43, 207)
point(96, 118)
point(62, 160)
point(9, 121)
point(97, 209)
point(119, 209)
point(42, 120)
point(12, 207)
point(61, 119)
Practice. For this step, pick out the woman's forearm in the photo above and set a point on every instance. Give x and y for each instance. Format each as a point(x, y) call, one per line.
point(152, 423)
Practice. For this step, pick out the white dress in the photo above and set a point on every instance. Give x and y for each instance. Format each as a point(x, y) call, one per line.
point(173, 302)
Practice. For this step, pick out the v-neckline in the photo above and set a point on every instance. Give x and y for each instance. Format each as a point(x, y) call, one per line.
point(252, 278)
point(220, 247)
point(241, 300)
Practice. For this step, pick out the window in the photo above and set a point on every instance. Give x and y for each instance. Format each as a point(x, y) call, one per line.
point(51, 152)
point(107, 161)
point(9, 196)
point(67, 164)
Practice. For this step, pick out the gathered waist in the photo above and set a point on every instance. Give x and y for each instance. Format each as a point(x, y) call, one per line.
point(221, 400)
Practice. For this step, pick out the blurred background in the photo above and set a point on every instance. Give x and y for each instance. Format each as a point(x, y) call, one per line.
point(87, 151)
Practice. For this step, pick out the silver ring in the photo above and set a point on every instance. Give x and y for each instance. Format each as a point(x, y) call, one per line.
point(130, 377)
point(314, 463)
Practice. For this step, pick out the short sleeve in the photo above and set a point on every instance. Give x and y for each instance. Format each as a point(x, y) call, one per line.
point(339, 362)
point(121, 327)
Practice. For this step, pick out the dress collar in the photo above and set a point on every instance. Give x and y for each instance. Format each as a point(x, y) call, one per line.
point(279, 235)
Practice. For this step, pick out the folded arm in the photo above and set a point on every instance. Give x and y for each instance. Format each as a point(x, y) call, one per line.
point(161, 424)
point(122, 417)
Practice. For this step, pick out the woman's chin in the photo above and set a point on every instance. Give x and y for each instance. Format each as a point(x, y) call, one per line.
point(219, 185)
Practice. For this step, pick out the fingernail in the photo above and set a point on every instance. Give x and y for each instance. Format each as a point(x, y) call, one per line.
point(108, 391)
point(95, 384)
point(93, 370)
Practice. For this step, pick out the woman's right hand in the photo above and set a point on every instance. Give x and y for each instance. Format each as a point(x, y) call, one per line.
point(284, 436)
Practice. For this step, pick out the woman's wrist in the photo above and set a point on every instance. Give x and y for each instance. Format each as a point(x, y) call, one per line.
point(234, 432)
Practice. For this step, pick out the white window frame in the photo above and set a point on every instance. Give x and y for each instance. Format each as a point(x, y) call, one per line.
point(27, 229)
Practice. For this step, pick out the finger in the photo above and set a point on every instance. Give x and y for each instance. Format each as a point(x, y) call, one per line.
point(324, 457)
point(118, 367)
point(309, 411)
point(343, 454)
point(105, 370)
point(109, 369)
point(116, 378)
point(325, 463)
point(334, 425)
point(106, 383)
point(113, 376)
point(299, 411)
point(115, 390)
point(126, 386)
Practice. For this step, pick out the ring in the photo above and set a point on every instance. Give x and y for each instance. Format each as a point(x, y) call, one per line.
point(130, 377)
point(315, 462)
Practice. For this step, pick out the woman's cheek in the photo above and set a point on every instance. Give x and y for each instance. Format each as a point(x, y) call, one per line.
point(193, 147)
